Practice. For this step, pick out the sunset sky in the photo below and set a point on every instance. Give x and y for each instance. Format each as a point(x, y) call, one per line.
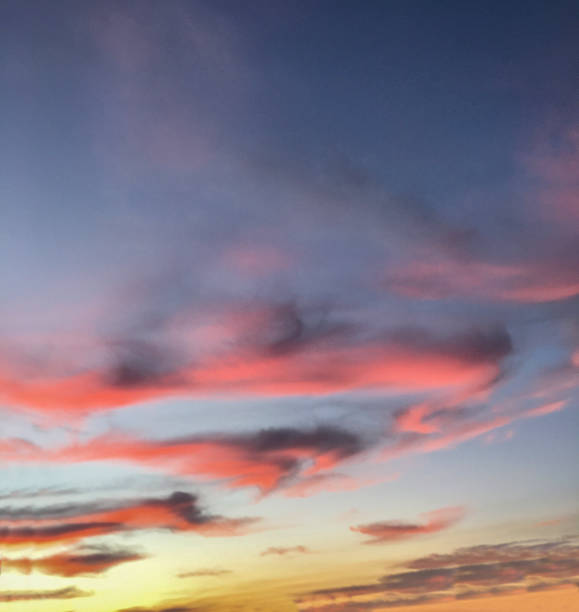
point(289, 306)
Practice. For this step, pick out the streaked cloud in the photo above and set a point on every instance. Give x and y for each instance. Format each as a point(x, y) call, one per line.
point(64, 593)
point(264, 459)
point(204, 572)
point(66, 524)
point(477, 571)
point(278, 353)
point(285, 550)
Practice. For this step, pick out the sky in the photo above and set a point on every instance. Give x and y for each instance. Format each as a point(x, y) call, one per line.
point(289, 306)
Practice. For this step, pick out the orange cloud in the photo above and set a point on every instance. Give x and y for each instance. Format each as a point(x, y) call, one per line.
point(69, 564)
point(179, 512)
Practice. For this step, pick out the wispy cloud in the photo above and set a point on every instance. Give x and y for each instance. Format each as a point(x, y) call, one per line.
point(389, 531)
point(64, 593)
point(533, 282)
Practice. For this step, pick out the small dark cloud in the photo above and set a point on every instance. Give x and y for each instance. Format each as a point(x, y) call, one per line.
point(139, 363)
point(167, 609)
point(287, 550)
point(292, 328)
point(65, 593)
point(321, 439)
point(207, 571)
point(485, 345)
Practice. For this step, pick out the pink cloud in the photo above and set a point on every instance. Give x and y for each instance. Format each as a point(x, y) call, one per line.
point(331, 483)
point(554, 162)
point(257, 360)
point(267, 459)
point(388, 531)
point(547, 409)
point(532, 282)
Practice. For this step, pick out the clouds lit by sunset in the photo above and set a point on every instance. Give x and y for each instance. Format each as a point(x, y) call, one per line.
point(289, 314)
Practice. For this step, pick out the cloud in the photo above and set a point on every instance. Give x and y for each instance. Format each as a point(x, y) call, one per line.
point(208, 571)
point(547, 408)
point(497, 553)
point(167, 609)
point(178, 512)
point(462, 431)
point(299, 462)
point(376, 604)
point(477, 571)
point(554, 162)
point(77, 563)
point(265, 459)
point(331, 483)
point(277, 350)
point(532, 282)
point(434, 425)
point(287, 550)
point(388, 531)
point(65, 593)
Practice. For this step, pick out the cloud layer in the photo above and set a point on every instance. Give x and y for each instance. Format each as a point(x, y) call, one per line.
point(476, 571)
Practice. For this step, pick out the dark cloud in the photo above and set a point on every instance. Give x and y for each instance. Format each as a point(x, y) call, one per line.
point(56, 533)
point(167, 609)
point(321, 439)
point(375, 604)
point(476, 345)
point(496, 553)
point(342, 188)
point(179, 512)
point(84, 562)
point(139, 363)
point(293, 328)
point(65, 593)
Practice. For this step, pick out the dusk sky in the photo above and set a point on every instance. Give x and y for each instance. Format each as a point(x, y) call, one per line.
point(289, 306)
